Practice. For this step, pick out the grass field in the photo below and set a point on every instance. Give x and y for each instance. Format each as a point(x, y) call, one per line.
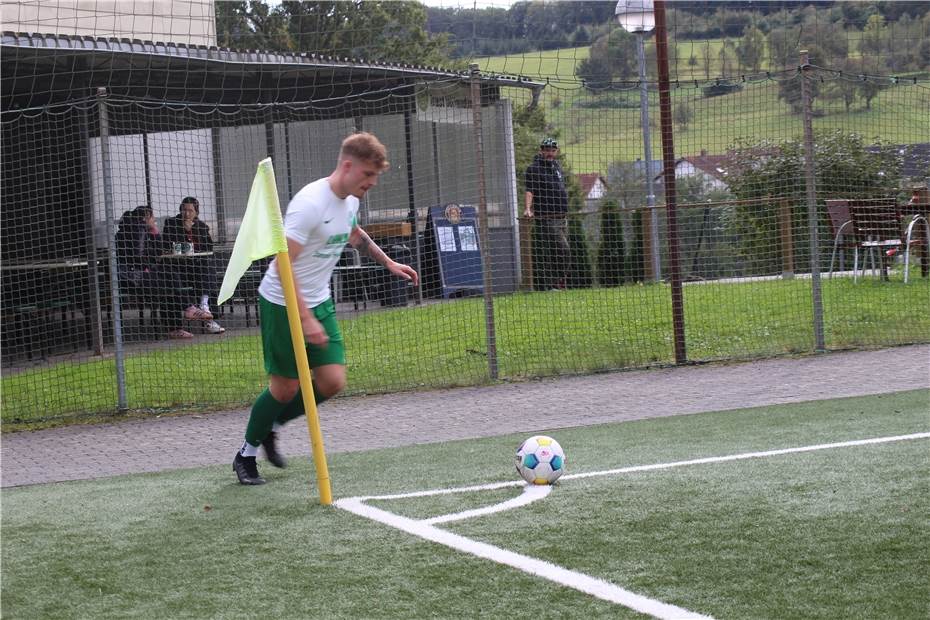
point(538, 334)
point(594, 137)
point(830, 533)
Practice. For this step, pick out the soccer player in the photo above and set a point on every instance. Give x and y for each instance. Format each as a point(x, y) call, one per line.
point(320, 219)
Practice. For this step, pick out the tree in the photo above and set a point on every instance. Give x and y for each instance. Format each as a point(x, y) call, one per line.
point(610, 254)
point(626, 183)
point(870, 85)
point(726, 58)
point(611, 56)
point(751, 48)
point(873, 36)
point(706, 57)
point(579, 258)
point(789, 89)
point(373, 30)
point(784, 44)
point(251, 25)
point(845, 166)
point(845, 87)
point(683, 115)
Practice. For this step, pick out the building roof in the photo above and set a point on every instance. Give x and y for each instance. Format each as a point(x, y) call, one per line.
point(712, 165)
point(915, 158)
point(45, 69)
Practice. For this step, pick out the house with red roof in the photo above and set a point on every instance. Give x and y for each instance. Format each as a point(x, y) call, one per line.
point(713, 168)
point(593, 188)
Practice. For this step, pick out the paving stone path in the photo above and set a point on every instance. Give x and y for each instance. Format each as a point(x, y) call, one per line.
point(366, 422)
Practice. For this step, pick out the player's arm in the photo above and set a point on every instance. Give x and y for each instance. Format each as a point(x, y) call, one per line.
point(360, 240)
point(528, 202)
point(313, 330)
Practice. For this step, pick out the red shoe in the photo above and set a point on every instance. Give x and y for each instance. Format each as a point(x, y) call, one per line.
point(180, 334)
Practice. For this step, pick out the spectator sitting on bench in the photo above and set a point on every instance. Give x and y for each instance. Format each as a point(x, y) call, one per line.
point(137, 246)
point(199, 274)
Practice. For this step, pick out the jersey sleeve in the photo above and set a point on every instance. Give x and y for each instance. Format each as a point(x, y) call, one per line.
point(301, 218)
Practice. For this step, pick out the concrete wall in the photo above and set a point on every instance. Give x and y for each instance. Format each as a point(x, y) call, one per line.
point(192, 22)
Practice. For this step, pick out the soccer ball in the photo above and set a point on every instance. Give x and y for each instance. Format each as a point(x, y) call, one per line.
point(540, 460)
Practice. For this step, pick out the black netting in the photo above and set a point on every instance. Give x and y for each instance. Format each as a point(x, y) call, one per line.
point(108, 290)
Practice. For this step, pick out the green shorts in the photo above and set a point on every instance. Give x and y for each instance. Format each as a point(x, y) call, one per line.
point(276, 339)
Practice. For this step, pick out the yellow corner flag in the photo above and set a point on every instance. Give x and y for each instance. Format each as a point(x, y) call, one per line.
point(262, 234)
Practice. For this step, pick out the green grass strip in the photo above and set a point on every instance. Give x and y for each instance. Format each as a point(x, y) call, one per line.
point(538, 334)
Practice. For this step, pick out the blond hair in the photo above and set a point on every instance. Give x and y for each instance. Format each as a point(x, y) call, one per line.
point(366, 147)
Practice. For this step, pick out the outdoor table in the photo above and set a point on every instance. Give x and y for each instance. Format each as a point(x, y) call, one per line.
point(36, 290)
point(187, 255)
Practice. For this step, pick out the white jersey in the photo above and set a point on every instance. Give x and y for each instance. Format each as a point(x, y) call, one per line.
point(321, 222)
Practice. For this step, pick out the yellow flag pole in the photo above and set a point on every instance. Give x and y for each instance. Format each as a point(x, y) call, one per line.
point(303, 371)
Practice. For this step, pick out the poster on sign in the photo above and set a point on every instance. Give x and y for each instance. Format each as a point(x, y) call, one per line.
point(452, 257)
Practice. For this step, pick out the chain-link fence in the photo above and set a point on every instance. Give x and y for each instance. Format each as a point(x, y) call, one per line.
point(120, 208)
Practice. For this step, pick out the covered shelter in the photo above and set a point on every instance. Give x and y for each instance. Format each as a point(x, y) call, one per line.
point(92, 127)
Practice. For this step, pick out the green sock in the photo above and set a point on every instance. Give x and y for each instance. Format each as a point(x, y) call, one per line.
point(265, 411)
point(295, 408)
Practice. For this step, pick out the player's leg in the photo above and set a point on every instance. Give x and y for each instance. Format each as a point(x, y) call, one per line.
point(550, 257)
point(329, 377)
point(283, 386)
point(563, 251)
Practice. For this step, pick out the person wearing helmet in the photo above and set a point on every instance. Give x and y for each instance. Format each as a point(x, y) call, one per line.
point(546, 202)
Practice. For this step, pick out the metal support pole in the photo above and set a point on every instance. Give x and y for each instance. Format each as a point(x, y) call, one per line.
point(647, 154)
point(505, 114)
point(411, 194)
point(810, 181)
point(93, 306)
point(219, 186)
point(147, 167)
point(668, 160)
point(118, 353)
point(483, 224)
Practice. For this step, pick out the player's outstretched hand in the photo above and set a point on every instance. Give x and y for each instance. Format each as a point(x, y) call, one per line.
point(404, 271)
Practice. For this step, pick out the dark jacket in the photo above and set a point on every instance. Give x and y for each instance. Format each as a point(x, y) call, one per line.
point(199, 235)
point(137, 248)
point(546, 181)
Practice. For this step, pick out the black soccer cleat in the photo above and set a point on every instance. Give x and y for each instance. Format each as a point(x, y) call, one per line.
point(246, 470)
point(270, 445)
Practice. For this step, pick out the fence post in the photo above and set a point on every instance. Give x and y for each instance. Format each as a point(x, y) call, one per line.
point(810, 180)
point(668, 158)
point(93, 275)
point(483, 224)
point(787, 240)
point(118, 353)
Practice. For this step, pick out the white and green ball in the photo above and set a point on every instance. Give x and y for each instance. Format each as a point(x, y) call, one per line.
point(540, 460)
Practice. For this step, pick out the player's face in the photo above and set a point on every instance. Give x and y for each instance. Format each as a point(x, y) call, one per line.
point(361, 177)
point(550, 154)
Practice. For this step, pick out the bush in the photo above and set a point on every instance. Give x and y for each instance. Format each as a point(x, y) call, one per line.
point(610, 254)
point(721, 88)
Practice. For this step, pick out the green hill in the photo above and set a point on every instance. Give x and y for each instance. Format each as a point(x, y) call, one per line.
point(596, 129)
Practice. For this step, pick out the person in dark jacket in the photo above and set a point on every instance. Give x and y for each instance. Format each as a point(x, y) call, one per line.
point(198, 273)
point(546, 201)
point(138, 245)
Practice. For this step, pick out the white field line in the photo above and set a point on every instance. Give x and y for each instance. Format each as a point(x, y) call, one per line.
point(531, 493)
point(579, 581)
point(596, 587)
